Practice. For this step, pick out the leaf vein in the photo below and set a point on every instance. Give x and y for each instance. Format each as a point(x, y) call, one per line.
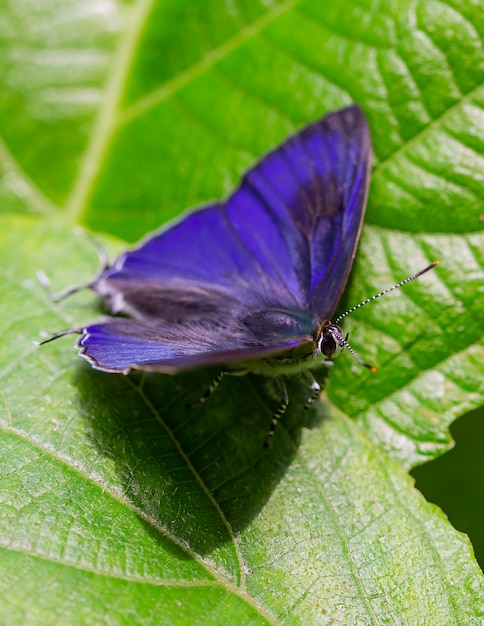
point(205, 63)
point(192, 114)
point(426, 130)
point(24, 186)
point(345, 543)
point(246, 91)
point(196, 475)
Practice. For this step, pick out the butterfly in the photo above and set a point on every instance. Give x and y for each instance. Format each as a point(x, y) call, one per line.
point(251, 283)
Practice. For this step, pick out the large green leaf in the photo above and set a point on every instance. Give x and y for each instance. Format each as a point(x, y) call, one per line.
point(119, 504)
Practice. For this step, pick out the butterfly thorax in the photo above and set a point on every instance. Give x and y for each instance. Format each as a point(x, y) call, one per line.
point(316, 343)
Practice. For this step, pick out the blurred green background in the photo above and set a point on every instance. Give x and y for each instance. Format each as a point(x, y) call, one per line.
point(454, 481)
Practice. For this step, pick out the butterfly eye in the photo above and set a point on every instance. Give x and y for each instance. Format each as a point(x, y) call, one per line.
point(331, 341)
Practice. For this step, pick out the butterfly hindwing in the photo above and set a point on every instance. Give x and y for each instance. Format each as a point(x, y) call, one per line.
point(121, 345)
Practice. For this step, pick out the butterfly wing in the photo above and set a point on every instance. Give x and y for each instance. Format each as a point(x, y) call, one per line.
point(252, 274)
point(121, 345)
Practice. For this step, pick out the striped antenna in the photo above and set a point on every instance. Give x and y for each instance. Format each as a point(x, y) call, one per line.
point(355, 354)
point(382, 293)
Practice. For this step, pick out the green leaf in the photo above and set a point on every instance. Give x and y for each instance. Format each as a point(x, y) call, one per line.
point(121, 505)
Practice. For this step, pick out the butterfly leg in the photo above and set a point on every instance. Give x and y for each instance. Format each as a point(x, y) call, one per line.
point(281, 390)
point(314, 386)
point(212, 387)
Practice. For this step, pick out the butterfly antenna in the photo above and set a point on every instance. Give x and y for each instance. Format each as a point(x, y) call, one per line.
point(345, 344)
point(44, 282)
point(104, 265)
point(382, 293)
point(54, 336)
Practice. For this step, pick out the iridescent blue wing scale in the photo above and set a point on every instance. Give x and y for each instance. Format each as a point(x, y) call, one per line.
point(250, 277)
point(121, 345)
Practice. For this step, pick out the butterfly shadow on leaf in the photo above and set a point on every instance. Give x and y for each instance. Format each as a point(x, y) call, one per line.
point(194, 474)
point(253, 279)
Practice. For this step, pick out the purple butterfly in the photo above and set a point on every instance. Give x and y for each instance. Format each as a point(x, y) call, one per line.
point(251, 283)
point(254, 277)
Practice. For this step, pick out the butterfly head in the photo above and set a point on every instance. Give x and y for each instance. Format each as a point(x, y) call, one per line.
point(329, 338)
point(330, 342)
